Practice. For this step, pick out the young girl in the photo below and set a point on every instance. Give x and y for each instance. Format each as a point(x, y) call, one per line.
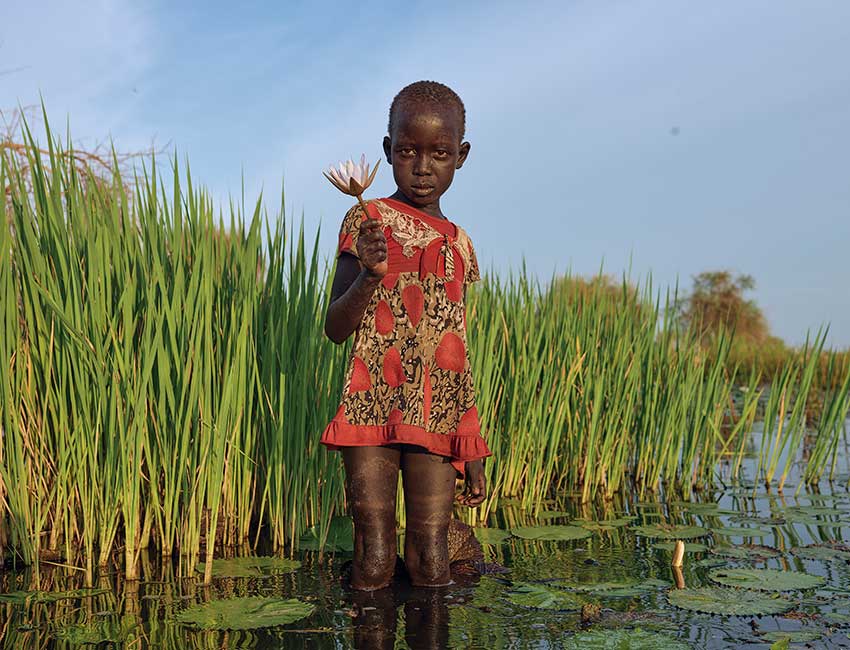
point(408, 402)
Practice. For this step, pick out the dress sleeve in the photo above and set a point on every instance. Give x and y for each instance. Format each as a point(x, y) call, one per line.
point(472, 274)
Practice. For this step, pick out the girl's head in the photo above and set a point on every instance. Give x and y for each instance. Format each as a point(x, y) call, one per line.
point(425, 142)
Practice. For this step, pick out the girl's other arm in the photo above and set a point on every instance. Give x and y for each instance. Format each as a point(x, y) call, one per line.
point(355, 282)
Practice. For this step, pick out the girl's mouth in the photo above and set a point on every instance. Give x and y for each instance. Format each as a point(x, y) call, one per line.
point(422, 190)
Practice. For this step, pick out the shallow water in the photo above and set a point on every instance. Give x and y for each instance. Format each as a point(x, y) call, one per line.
point(482, 612)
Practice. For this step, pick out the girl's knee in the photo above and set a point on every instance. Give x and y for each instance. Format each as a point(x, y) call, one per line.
point(426, 556)
point(375, 552)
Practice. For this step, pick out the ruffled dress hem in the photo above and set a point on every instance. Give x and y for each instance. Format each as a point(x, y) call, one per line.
point(461, 448)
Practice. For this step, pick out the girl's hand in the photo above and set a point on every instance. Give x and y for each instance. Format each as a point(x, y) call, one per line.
point(475, 490)
point(372, 247)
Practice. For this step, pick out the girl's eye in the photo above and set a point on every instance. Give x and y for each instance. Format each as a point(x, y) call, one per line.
point(407, 151)
point(441, 153)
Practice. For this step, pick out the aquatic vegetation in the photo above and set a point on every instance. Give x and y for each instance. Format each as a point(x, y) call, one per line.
point(730, 602)
point(792, 636)
point(24, 597)
point(766, 579)
point(690, 547)
point(823, 552)
point(551, 533)
point(621, 589)
point(491, 535)
point(670, 531)
point(603, 525)
point(339, 536)
point(245, 613)
point(746, 552)
point(250, 566)
point(539, 596)
point(636, 639)
point(740, 531)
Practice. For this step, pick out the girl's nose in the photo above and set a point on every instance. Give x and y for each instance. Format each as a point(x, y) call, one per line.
point(422, 165)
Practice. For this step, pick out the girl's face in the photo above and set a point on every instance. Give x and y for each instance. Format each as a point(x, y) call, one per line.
point(424, 149)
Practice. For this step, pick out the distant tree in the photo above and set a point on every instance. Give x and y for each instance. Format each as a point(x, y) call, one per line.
point(95, 163)
point(614, 295)
point(717, 301)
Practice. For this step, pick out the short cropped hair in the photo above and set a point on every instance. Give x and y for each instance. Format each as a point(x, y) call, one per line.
point(427, 94)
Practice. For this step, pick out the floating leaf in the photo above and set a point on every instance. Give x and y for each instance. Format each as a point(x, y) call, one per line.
point(553, 514)
point(636, 639)
point(740, 531)
point(667, 531)
point(706, 509)
point(766, 579)
point(690, 547)
point(24, 597)
point(710, 563)
point(758, 521)
point(602, 525)
point(837, 619)
point(340, 536)
point(793, 636)
point(624, 589)
point(250, 566)
point(541, 597)
point(551, 533)
point(732, 602)
point(822, 552)
point(245, 613)
point(491, 535)
point(747, 552)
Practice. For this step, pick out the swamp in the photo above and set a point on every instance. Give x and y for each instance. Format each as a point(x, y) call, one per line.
point(165, 379)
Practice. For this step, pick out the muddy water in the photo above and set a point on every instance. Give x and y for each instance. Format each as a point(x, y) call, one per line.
point(483, 612)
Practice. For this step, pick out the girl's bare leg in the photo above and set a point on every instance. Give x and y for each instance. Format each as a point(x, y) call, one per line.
point(429, 486)
point(371, 477)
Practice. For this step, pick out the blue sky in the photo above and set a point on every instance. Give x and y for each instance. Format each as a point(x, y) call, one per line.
point(668, 137)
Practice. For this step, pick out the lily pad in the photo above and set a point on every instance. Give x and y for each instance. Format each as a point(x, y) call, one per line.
point(667, 531)
point(552, 533)
point(758, 520)
point(822, 552)
point(740, 531)
point(538, 596)
point(491, 535)
point(706, 509)
point(24, 597)
point(837, 619)
point(245, 613)
point(690, 547)
point(340, 536)
point(602, 525)
point(746, 552)
point(552, 514)
point(250, 567)
point(766, 579)
point(730, 602)
point(636, 639)
point(792, 636)
point(624, 589)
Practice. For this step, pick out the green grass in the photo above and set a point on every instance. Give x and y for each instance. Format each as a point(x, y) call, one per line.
point(165, 379)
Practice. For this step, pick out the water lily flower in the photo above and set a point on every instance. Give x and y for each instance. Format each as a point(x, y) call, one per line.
point(350, 177)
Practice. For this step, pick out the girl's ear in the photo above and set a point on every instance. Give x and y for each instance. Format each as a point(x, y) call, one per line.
point(388, 149)
point(463, 152)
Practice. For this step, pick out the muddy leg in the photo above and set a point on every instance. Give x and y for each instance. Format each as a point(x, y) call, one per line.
point(429, 486)
point(371, 476)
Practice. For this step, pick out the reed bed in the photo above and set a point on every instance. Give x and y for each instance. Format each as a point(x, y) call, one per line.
point(165, 380)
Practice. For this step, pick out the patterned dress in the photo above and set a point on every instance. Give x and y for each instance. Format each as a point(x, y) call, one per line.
point(408, 378)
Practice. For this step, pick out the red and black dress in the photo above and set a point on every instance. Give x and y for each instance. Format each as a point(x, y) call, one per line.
point(408, 378)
